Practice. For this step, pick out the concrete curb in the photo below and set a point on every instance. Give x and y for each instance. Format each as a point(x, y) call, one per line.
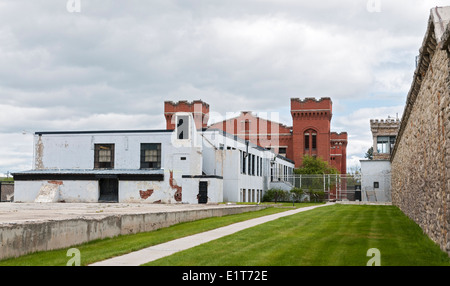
point(165, 249)
point(27, 228)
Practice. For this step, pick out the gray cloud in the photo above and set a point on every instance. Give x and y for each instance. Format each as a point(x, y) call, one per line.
point(113, 64)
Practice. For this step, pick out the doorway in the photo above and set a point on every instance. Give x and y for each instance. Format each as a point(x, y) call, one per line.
point(203, 193)
point(109, 190)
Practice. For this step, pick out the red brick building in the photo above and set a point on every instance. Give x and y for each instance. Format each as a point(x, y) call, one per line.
point(309, 134)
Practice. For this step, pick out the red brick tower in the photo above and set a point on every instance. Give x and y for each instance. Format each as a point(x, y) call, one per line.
point(311, 128)
point(338, 152)
point(198, 108)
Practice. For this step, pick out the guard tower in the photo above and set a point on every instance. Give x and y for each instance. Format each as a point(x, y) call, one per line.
point(384, 134)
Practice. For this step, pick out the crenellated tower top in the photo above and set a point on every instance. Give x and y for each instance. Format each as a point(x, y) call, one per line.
point(198, 108)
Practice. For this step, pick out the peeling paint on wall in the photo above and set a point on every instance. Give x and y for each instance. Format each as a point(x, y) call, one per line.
point(145, 194)
point(48, 193)
point(178, 189)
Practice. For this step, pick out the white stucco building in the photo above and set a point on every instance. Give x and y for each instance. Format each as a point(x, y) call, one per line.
point(376, 173)
point(185, 165)
point(376, 181)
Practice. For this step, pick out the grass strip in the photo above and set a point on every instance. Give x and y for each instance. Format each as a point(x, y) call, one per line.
point(338, 235)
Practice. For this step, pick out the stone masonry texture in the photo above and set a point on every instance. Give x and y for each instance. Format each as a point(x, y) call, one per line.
point(421, 158)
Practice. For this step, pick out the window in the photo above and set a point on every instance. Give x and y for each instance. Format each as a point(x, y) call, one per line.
point(253, 165)
point(260, 166)
point(392, 143)
point(376, 185)
point(241, 157)
point(282, 150)
point(310, 141)
point(382, 144)
point(271, 174)
point(183, 127)
point(385, 144)
point(246, 126)
point(257, 166)
point(104, 156)
point(244, 163)
point(150, 155)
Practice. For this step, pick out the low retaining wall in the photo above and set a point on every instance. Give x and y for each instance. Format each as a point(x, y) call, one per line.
point(17, 239)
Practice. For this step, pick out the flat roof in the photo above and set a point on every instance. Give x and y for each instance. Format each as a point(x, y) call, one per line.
point(101, 132)
point(91, 174)
point(93, 171)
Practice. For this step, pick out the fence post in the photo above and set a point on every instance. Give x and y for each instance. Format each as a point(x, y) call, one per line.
point(337, 187)
point(324, 188)
point(329, 183)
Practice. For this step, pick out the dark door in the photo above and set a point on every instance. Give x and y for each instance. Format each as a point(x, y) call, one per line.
point(358, 193)
point(109, 190)
point(203, 193)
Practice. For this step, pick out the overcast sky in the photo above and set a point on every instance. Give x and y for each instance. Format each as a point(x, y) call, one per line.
point(112, 64)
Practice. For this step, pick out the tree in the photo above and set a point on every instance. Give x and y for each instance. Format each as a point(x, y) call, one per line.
point(369, 154)
point(297, 194)
point(315, 166)
point(354, 176)
point(275, 195)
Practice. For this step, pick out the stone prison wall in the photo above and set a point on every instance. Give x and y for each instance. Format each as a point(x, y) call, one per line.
point(421, 157)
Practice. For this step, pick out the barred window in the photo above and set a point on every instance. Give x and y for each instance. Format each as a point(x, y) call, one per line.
point(104, 156)
point(150, 155)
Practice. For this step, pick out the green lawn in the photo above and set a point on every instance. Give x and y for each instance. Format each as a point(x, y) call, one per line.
point(334, 235)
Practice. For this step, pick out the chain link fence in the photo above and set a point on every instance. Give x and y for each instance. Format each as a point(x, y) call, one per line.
point(319, 188)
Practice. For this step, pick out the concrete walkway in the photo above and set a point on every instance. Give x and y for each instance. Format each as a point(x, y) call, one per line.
point(165, 249)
